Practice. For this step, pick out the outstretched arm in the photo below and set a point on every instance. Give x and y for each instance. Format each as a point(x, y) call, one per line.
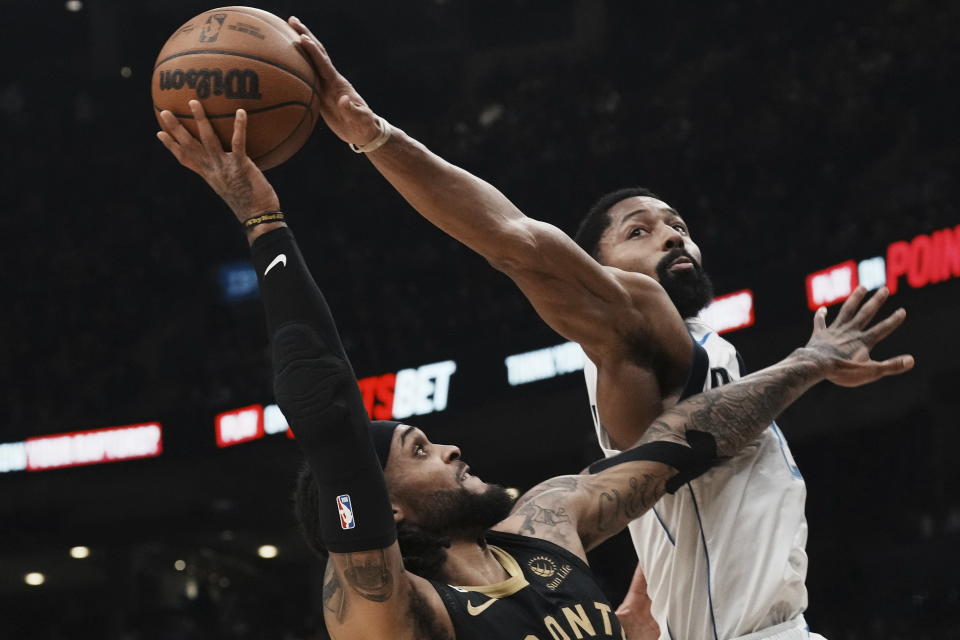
point(714, 424)
point(367, 592)
point(577, 297)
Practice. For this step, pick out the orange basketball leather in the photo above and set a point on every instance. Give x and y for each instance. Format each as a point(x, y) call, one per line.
point(240, 57)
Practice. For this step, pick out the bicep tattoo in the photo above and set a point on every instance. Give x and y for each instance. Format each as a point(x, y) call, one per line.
point(544, 510)
point(560, 484)
point(617, 505)
point(369, 575)
point(334, 597)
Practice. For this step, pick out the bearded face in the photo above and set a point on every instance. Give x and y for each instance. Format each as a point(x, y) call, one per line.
point(453, 512)
point(689, 288)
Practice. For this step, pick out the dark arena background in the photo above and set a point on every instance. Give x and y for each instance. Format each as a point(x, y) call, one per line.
point(809, 145)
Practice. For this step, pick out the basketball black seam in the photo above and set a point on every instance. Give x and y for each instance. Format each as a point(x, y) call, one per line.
point(295, 74)
point(306, 112)
point(189, 116)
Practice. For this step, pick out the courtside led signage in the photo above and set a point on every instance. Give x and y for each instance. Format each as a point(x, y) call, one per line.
point(925, 260)
point(726, 313)
point(831, 285)
point(408, 392)
point(543, 364)
point(730, 312)
point(391, 396)
point(239, 425)
point(95, 446)
point(13, 456)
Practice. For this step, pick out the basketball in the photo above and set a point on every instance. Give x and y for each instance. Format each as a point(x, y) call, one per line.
point(240, 58)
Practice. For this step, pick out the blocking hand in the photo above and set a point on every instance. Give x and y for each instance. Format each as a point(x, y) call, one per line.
point(342, 108)
point(843, 346)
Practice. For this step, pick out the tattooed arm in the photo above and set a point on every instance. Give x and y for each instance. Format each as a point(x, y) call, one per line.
point(368, 594)
point(580, 512)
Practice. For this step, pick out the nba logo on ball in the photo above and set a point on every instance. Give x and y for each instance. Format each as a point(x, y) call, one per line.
point(345, 507)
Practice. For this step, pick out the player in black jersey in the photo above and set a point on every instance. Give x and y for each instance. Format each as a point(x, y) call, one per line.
point(522, 567)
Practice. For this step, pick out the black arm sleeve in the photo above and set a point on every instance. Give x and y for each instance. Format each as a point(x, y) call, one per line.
point(691, 462)
point(317, 391)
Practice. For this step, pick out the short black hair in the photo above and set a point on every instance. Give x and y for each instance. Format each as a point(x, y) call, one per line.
point(595, 223)
point(424, 552)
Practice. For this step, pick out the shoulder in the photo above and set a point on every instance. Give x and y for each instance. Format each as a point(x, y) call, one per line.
point(650, 325)
point(431, 618)
point(360, 598)
point(548, 512)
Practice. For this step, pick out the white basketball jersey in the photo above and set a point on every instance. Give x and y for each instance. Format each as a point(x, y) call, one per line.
point(724, 555)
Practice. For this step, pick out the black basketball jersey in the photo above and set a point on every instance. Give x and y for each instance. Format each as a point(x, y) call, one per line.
point(551, 594)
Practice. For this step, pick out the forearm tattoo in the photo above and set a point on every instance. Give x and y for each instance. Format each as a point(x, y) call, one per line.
point(737, 413)
point(616, 505)
point(369, 575)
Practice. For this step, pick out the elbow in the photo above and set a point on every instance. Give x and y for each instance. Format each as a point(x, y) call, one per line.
point(521, 247)
point(310, 380)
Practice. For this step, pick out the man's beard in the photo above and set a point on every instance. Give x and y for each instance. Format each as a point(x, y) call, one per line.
point(458, 511)
point(690, 289)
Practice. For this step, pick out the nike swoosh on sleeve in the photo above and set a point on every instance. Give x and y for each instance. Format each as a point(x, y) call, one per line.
point(280, 259)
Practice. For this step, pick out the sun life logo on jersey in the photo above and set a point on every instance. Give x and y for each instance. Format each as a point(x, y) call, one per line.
point(542, 566)
point(546, 568)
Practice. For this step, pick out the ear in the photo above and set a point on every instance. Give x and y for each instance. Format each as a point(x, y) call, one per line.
point(398, 514)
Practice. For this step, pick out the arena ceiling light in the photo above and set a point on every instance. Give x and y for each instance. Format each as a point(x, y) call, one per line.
point(34, 578)
point(179, 565)
point(79, 552)
point(267, 551)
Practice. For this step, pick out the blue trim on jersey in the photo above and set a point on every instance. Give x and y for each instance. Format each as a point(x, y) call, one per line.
point(699, 369)
point(704, 338)
point(665, 530)
point(794, 470)
point(741, 363)
point(706, 553)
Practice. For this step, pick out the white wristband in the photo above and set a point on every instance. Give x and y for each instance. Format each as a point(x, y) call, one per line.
point(379, 141)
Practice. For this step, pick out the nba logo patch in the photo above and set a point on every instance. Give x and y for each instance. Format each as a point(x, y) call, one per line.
point(345, 508)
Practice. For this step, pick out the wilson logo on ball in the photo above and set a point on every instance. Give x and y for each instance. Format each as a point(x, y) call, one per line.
point(234, 83)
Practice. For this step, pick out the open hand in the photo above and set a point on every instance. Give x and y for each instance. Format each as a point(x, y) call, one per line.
point(843, 347)
point(232, 174)
point(342, 108)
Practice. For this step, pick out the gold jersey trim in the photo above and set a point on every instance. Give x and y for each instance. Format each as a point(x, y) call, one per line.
point(508, 587)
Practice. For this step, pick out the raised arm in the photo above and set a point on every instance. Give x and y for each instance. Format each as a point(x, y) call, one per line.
point(687, 439)
point(577, 297)
point(367, 593)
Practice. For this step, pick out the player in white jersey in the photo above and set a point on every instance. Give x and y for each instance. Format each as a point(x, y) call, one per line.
point(726, 552)
point(623, 300)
